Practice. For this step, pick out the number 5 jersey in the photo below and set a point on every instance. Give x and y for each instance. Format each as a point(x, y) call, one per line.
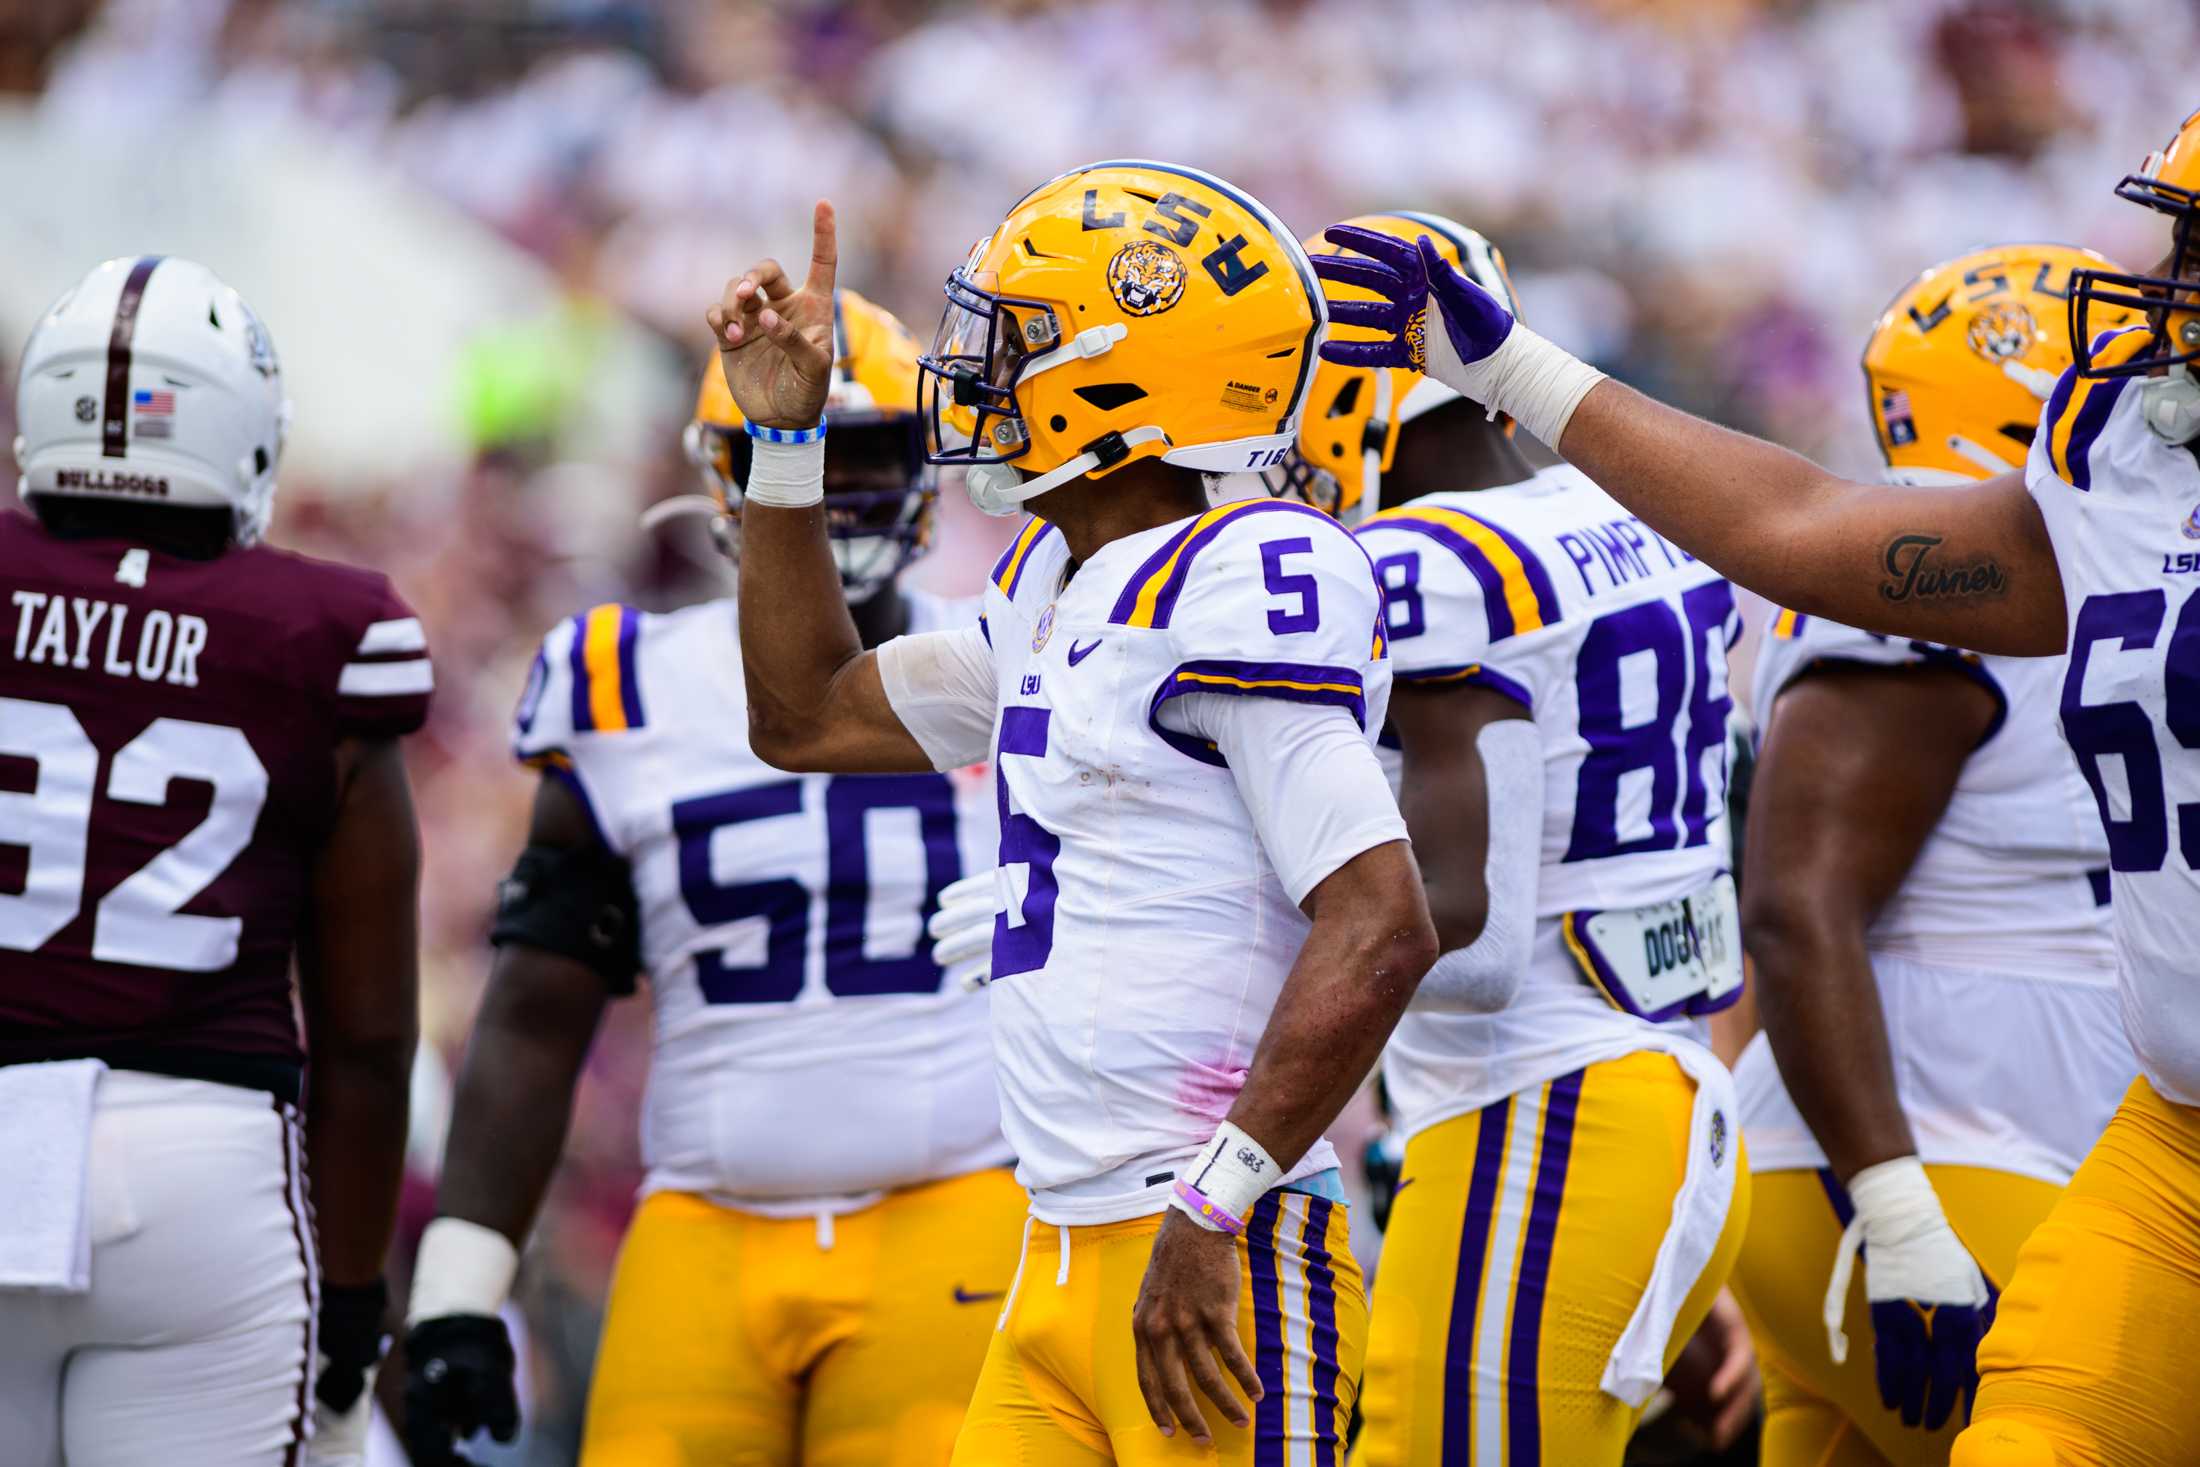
point(808, 1053)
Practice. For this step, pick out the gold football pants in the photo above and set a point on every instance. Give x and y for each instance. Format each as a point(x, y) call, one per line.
point(1060, 1383)
point(1818, 1414)
point(733, 1340)
point(1522, 1239)
point(2088, 1362)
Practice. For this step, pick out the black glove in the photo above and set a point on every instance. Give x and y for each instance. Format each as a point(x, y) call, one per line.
point(351, 1341)
point(458, 1380)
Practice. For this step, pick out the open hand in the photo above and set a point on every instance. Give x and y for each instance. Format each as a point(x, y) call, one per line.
point(1186, 1316)
point(777, 341)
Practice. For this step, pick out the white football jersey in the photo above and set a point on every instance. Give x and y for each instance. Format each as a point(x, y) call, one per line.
point(807, 1053)
point(2123, 509)
point(1615, 641)
point(1996, 964)
point(1147, 934)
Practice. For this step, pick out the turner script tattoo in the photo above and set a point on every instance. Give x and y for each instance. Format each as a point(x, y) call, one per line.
point(1915, 573)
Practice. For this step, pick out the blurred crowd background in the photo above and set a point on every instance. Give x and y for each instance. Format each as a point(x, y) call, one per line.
point(483, 232)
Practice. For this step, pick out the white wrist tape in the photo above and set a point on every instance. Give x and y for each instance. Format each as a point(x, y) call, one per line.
point(1230, 1174)
point(1538, 383)
point(463, 1268)
point(785, 475)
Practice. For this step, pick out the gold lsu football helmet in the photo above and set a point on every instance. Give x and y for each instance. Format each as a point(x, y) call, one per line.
point(879, 491)
point(1123, 310)
point(1963, 359)
point(1348, 435)
point(2168, 182)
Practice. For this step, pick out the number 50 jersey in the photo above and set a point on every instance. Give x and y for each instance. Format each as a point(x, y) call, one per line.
point(1550, 592)
point(807, 1053)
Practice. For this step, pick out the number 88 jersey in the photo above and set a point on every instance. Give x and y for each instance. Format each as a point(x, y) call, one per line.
point(1551, 593)
point(807, 1050)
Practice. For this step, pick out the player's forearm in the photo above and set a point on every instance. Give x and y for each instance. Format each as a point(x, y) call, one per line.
point(1819, 1003)
point(796, 634)
point(513, 1103)
point(1939, 563)
point(357, 1108)
point(1353, 979)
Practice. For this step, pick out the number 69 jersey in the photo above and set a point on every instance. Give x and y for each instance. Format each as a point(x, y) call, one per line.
point(1550, 592)
point(808, 1054)
point(1150, 919)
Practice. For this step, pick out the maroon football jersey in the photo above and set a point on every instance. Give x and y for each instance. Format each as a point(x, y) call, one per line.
point(168, 731)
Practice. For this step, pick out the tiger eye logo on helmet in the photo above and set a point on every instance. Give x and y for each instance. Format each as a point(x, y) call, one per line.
point(2002, 331)
point(1146, 277)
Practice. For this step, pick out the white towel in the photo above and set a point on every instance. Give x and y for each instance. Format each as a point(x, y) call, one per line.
point(45, 1197)
point(1637, 1366)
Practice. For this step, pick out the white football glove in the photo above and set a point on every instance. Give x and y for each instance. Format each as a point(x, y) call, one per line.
point(1930, 1304)
point(962, 928)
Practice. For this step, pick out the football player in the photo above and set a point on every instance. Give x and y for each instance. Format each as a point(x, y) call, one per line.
point(1572, 1194)
point(2090, 550)
point(1927, 903)
point(1211, 918)
point(204, 787)
point(828, 1223)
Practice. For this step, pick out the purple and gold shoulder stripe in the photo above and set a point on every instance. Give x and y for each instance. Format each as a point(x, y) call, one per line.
point(607, 697)
point(2078, 408)
point(1295, 682)
point(1008, 571)
point(1517, 592)
point(1788, 625)
point(1149, 598)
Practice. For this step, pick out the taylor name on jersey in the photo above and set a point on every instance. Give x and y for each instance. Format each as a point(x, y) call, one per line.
point(782, 921)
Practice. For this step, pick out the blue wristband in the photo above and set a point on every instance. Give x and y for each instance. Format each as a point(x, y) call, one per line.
point(786, 435)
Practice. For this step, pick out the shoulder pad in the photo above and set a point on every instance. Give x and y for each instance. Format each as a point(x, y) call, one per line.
point(384, 678)
point(1477, 571)
point(1037, 549)
point(2078, 409)
point(583, 681)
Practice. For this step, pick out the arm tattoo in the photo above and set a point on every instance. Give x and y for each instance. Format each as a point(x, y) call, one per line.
point(1915, 575)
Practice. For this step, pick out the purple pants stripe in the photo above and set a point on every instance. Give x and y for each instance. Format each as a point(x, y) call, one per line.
point(1262, 1235)
point(1523, 1417)
point(1321, 1304)
point(1474, 1242)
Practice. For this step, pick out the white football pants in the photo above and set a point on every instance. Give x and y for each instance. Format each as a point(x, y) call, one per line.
point(191, 1347)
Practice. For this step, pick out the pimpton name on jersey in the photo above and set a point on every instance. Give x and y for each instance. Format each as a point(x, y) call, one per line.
point(62, 631)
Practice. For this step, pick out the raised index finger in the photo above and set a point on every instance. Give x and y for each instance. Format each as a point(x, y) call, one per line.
point(824, 249)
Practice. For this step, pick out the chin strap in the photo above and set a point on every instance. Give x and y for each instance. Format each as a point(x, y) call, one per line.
point(998, 489)
point(2171, 405)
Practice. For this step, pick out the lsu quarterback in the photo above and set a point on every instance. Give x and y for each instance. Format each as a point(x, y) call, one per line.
point(1211, 916)
point(1572, 1195)
point(2089, 550)
point(828, 1222)
point(1926, 900)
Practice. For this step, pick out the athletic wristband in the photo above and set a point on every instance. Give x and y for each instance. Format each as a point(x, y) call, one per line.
point(1230, 1174)
point(763, 434)
point(1538, 383)
point(462, 1268)
point(786, 473)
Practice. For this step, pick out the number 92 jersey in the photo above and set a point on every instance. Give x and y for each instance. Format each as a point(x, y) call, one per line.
point(2122, 506)
point(807, 1050)
point(1147, 928)
point(1550, 592)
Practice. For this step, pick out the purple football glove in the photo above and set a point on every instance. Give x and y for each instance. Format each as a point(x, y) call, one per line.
point(1927, 1356)
point(1408, 277)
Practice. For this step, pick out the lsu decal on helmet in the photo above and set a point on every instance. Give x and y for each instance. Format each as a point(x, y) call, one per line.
point(1348, 435)
point(1964, 357)
point(2168, 182)
point(879, 491)
point(1124, 310)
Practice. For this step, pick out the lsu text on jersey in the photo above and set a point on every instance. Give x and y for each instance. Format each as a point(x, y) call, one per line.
point(2075, 1369)
point(1143, 947)
point(1573, 1193)
point(1997, 975)
point(174, 724)
point(827, 1210)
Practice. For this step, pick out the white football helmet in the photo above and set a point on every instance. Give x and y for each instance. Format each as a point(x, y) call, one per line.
point(153, 382)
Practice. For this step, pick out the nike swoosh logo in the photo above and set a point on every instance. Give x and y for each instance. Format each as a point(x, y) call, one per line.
point(1409, 1181)
point(1078, 654)
point(964, 1296)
